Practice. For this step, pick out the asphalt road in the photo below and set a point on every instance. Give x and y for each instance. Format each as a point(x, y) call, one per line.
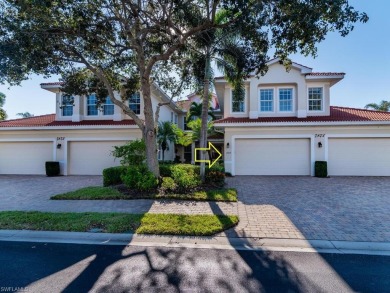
point(41, 267)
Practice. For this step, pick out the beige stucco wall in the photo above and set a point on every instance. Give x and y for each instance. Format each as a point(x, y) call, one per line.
point(315, 133)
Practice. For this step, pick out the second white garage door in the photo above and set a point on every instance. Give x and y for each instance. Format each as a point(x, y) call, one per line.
point(91, 157)
point(272, 156)
point(359, 157)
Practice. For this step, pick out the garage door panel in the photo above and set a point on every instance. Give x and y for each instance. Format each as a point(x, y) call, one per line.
point(272, 157)
point(25, 158)
point(359, 157)
point(91, 157)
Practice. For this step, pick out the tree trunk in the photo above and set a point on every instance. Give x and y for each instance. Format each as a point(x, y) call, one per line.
point(205, 109)
point(149, 131)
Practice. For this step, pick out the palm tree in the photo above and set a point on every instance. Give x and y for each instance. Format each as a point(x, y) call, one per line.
point(3, 114)
point(195, 111)
point(383, 106)
point(227, 50)
point(25, 115)
point(165, 134)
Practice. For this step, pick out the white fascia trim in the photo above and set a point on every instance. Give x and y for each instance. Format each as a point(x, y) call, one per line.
point(292, 124)
point(261, 136)
point(53, 140)
point(70, 128)
point(314, 77)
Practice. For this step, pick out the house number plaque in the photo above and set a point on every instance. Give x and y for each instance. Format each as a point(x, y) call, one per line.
point(320, 135)
point(60, 138)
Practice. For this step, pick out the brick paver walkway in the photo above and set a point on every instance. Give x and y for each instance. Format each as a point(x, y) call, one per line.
point(340, 208)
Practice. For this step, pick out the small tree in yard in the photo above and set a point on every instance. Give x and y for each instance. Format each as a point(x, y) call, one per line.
point(3, 114)
point(108, 46)
point(132, 153)
point(165, 134)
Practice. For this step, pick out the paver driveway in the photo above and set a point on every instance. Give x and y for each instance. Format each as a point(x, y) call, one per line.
point(339, 208)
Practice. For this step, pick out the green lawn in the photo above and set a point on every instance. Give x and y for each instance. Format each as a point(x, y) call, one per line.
point(96, 192)
point(193, 225)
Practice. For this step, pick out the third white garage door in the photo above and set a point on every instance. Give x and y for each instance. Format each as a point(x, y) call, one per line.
point(281, 156)
point(359, 157)
point(91, 157)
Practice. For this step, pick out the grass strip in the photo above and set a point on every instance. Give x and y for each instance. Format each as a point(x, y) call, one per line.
point(162, 224)
point(107, 193)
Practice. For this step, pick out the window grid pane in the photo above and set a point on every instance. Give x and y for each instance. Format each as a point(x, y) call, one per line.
point(91, 106)
point(267, 100)
point(108, 107)
point(67, 106)
point(237, 106)
point(315, 99)
point(285, 100)
point(135, 103)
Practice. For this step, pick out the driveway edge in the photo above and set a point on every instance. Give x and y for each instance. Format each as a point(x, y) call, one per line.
point(218, 242)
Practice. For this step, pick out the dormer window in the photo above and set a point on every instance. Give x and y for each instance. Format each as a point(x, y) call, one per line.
point(266, 100)
point(67, 105)
point(108, 107)
point(91, 105)
point(315, 98)
point(135, 103)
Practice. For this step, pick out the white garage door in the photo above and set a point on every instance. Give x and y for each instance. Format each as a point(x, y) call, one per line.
point(91, 157)
point(27, 158)
point(272, 157)
point(359, 157)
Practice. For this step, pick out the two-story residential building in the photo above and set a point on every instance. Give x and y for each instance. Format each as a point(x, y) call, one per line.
point(79, 135)
point(286, 123)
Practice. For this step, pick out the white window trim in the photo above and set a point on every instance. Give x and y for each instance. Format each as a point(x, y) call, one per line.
point(293, 99)
point(86, 108)
point(100, 111)
point(273, 100)
point(140, 104)
point(62, 107)
point(322, 102)
point(231, 103)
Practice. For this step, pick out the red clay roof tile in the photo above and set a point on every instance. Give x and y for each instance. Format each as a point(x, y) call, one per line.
point(337, 114)
point(49, 121)
point(325, 73)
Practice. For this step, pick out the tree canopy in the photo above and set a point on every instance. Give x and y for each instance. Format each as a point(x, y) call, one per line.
point(3, 114)
point(383, 106)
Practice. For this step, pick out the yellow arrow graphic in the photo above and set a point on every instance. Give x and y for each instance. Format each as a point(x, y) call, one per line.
point(211, 146)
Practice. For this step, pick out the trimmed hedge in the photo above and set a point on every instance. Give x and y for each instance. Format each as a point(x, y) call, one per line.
point(321, 169)
point(112, 176)
point(52, 168)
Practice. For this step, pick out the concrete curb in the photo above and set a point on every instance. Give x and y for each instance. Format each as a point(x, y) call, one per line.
point(219, 242)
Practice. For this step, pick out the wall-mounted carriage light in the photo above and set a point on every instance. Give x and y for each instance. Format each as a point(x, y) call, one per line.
point(227, 145)
point(320, 145)
point(59, 146)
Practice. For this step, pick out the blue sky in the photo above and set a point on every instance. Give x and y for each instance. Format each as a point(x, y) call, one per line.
point(364, 55)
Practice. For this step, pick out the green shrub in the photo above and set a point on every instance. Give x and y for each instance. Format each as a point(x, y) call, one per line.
point(165, 170)
point(112, 176)
point(168, 184)
point(215, 177)
point(186, 176)
point(52, 168)
point(132, 153)
point(321, 169)
point(139, 177)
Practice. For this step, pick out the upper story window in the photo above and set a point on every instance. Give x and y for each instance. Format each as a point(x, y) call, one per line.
point(266, 100)
point(238, 106)
point(315, 98)
point(108, 107)
point(92, 105)
point(135, 103)
point(67, 105)
point(176, 119)
point(185, 124)
point(285, 100)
